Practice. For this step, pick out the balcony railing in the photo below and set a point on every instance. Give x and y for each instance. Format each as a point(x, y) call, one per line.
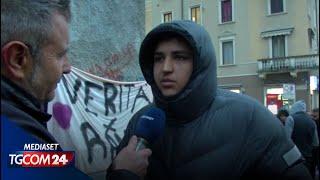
point(288, 64)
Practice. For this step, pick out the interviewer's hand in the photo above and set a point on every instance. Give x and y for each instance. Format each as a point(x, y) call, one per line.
point(132, 160)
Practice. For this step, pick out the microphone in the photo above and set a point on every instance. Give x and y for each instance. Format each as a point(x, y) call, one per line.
point(150, 127)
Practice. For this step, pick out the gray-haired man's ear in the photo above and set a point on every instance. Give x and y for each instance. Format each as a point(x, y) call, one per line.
point(15, 60)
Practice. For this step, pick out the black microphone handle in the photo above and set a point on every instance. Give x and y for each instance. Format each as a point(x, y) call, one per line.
point(142, 144)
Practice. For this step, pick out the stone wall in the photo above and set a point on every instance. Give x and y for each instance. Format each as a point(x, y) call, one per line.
point(105, 37)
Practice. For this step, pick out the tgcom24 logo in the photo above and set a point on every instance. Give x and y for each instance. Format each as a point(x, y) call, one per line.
point(41, 155)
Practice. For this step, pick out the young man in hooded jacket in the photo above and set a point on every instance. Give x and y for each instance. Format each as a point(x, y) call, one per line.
point(210, 133)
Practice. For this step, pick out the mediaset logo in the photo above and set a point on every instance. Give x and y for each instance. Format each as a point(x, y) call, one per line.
point(41, 155)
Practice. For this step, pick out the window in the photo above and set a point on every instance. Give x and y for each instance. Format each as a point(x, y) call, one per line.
point(278, 41)
point(196, 14)
point(226, 11)
point(274, 99)
point(227, 51)
point(278, 46)
point(167, 17)
point(311, 37)
point(276, 6)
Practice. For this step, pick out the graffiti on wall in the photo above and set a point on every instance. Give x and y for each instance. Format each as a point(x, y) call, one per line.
point(113, 65)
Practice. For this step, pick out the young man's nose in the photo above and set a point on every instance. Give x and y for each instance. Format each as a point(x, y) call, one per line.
point(168, 65)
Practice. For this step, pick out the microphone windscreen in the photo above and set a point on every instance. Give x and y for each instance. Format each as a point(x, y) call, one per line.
point(151, 125)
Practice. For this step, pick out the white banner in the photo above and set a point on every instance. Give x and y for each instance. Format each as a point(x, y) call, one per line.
point(90, 114)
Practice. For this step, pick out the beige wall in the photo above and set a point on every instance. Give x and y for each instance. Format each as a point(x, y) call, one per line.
point(162, 6)
point(295, 16)
point(251, 18)
point(148, 19)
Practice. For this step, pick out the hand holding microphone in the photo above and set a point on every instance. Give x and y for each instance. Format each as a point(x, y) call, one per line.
point(134, 157)
point(132, 160)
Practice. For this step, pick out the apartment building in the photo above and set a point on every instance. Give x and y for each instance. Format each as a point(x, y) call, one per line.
point(267, 49)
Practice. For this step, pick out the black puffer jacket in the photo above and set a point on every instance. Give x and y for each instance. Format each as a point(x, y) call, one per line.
point(212, 133)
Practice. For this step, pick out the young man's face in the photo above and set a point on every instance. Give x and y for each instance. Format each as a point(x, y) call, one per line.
point(173, 65)
point(53, 62)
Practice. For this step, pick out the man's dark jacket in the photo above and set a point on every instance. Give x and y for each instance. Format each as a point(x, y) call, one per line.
point(23, 109)
point(212, 133)
point(304, 129)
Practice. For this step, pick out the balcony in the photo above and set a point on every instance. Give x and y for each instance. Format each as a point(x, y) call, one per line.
point(291, 64)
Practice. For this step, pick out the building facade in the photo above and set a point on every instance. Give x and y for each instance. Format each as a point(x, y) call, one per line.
point(267, 49)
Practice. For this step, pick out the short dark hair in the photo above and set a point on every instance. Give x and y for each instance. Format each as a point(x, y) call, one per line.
point(169, 36)
point(283, 112)
point(30, 21)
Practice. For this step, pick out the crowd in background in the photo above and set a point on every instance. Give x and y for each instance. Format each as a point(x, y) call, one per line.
point(302, 127)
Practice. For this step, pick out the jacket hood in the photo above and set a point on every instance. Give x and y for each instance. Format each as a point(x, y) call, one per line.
point(299, 106)
point(200, 91)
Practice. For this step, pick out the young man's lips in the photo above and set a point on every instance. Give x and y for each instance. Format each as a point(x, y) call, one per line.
point(167, 83)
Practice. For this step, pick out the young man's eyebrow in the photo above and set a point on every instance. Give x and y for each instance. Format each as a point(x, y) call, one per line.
point(174, 52)
point(182, 52)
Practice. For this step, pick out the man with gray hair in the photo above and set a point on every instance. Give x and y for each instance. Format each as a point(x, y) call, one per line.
point(304, 134)
point(34, 46)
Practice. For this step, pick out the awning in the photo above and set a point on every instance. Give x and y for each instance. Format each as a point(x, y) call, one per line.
point(276, 32)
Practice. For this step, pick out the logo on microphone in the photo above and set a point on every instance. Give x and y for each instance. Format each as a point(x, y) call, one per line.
point(147, 117)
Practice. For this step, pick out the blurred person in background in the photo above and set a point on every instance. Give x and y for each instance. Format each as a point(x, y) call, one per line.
point(315, 116)
point(305, 134)
point(287, 120)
